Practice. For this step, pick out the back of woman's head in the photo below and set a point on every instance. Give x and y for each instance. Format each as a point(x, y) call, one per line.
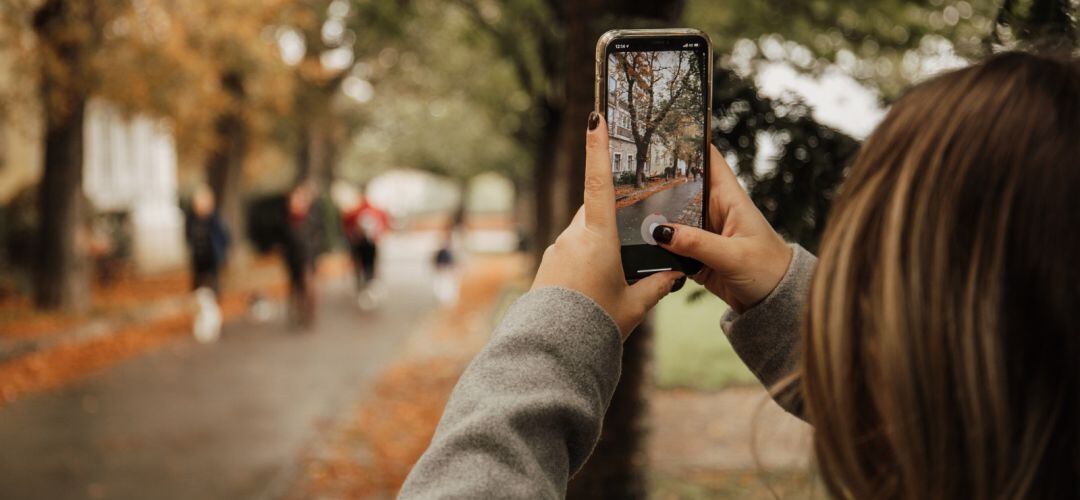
point(942, 354)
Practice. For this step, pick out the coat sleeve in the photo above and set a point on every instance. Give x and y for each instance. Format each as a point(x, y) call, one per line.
point(767, 337)
point(527, 412)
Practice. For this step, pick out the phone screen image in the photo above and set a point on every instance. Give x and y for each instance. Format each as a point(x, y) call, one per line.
point(656, 114)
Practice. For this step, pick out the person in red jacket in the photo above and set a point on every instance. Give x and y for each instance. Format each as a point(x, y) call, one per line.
point(364, 225)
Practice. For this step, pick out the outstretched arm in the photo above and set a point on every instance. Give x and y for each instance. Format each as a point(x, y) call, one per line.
point(527, 412)
point(767, 336)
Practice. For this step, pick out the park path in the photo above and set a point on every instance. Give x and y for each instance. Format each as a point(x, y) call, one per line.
point(226, 420)
point(669, 203)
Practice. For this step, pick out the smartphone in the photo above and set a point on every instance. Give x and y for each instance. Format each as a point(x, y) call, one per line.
point(654, 87)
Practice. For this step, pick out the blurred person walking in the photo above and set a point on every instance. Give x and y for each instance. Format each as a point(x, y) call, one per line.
point(364, 224)
point(933, 347)
point(303, 235)
point(445, 281)
point(208, 243)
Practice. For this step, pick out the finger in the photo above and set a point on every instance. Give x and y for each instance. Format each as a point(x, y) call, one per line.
point(649, 290)
point(721, 174)
point(722, 178)
point(721, 253)
point(599, 189)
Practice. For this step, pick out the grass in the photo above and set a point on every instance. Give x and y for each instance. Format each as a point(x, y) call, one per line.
point(787, 484)
point(691, 351)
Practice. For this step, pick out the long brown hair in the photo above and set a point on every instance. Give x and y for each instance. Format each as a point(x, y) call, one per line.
point(942, 347)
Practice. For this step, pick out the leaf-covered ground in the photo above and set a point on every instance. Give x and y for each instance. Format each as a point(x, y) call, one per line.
point(730, 443)
point(627, 195)
point(121, 308)
point(370, 452)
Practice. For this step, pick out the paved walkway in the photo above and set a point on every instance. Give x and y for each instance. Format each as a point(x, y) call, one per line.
point(670, 203)
point(226, 420)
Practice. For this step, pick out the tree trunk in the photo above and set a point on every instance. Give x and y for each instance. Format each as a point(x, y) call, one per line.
point(639, 165)
point(315, 156)
point(321, 135)
point(225, 167)
point(225, 170)
point(544, 228)
point(617, 467)
point(523, 214)
point(581, 36)
point(61, 279)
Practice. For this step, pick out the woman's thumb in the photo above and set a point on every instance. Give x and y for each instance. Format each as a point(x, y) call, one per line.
point(649, 290)
point(715, 251)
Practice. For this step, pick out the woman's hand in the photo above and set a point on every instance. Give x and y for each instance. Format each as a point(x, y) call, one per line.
point(585, 257)
point(744, 257)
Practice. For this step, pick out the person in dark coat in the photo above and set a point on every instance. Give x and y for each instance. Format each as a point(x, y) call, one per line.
point(301, 247)
point(208, 241)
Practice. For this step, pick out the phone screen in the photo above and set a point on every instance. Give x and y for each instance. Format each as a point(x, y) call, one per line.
point(656, 113)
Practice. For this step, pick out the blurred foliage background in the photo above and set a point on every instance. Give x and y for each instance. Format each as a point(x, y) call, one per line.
point(262, 95)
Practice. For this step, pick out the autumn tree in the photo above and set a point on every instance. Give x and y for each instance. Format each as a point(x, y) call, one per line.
point(68, 33)
point(338, 40)
point(652, 86)
point(431, 110)
point(163, 58)
point(682, 133)
point(550, 47)
point(246, 79)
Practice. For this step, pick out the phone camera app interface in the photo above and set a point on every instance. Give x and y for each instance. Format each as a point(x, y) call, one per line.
point(656, 122)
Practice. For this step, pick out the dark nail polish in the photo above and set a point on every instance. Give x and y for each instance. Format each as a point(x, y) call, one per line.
point(678, 284)
point(594, 120)
point(663, 234)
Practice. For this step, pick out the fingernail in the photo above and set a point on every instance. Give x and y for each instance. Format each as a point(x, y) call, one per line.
point(663, 233)
point(678, 284)
point(594, 120)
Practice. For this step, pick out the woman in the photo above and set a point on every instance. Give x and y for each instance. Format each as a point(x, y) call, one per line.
point(934, 348)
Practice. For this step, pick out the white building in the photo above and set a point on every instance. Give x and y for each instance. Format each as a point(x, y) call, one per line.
point(622, 147)
point(129, 165)
point(659, 159)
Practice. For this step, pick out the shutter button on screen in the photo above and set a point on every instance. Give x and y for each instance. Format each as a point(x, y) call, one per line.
point(649, 224)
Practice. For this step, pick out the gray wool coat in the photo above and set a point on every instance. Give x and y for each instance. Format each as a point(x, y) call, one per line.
point(527, 412)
